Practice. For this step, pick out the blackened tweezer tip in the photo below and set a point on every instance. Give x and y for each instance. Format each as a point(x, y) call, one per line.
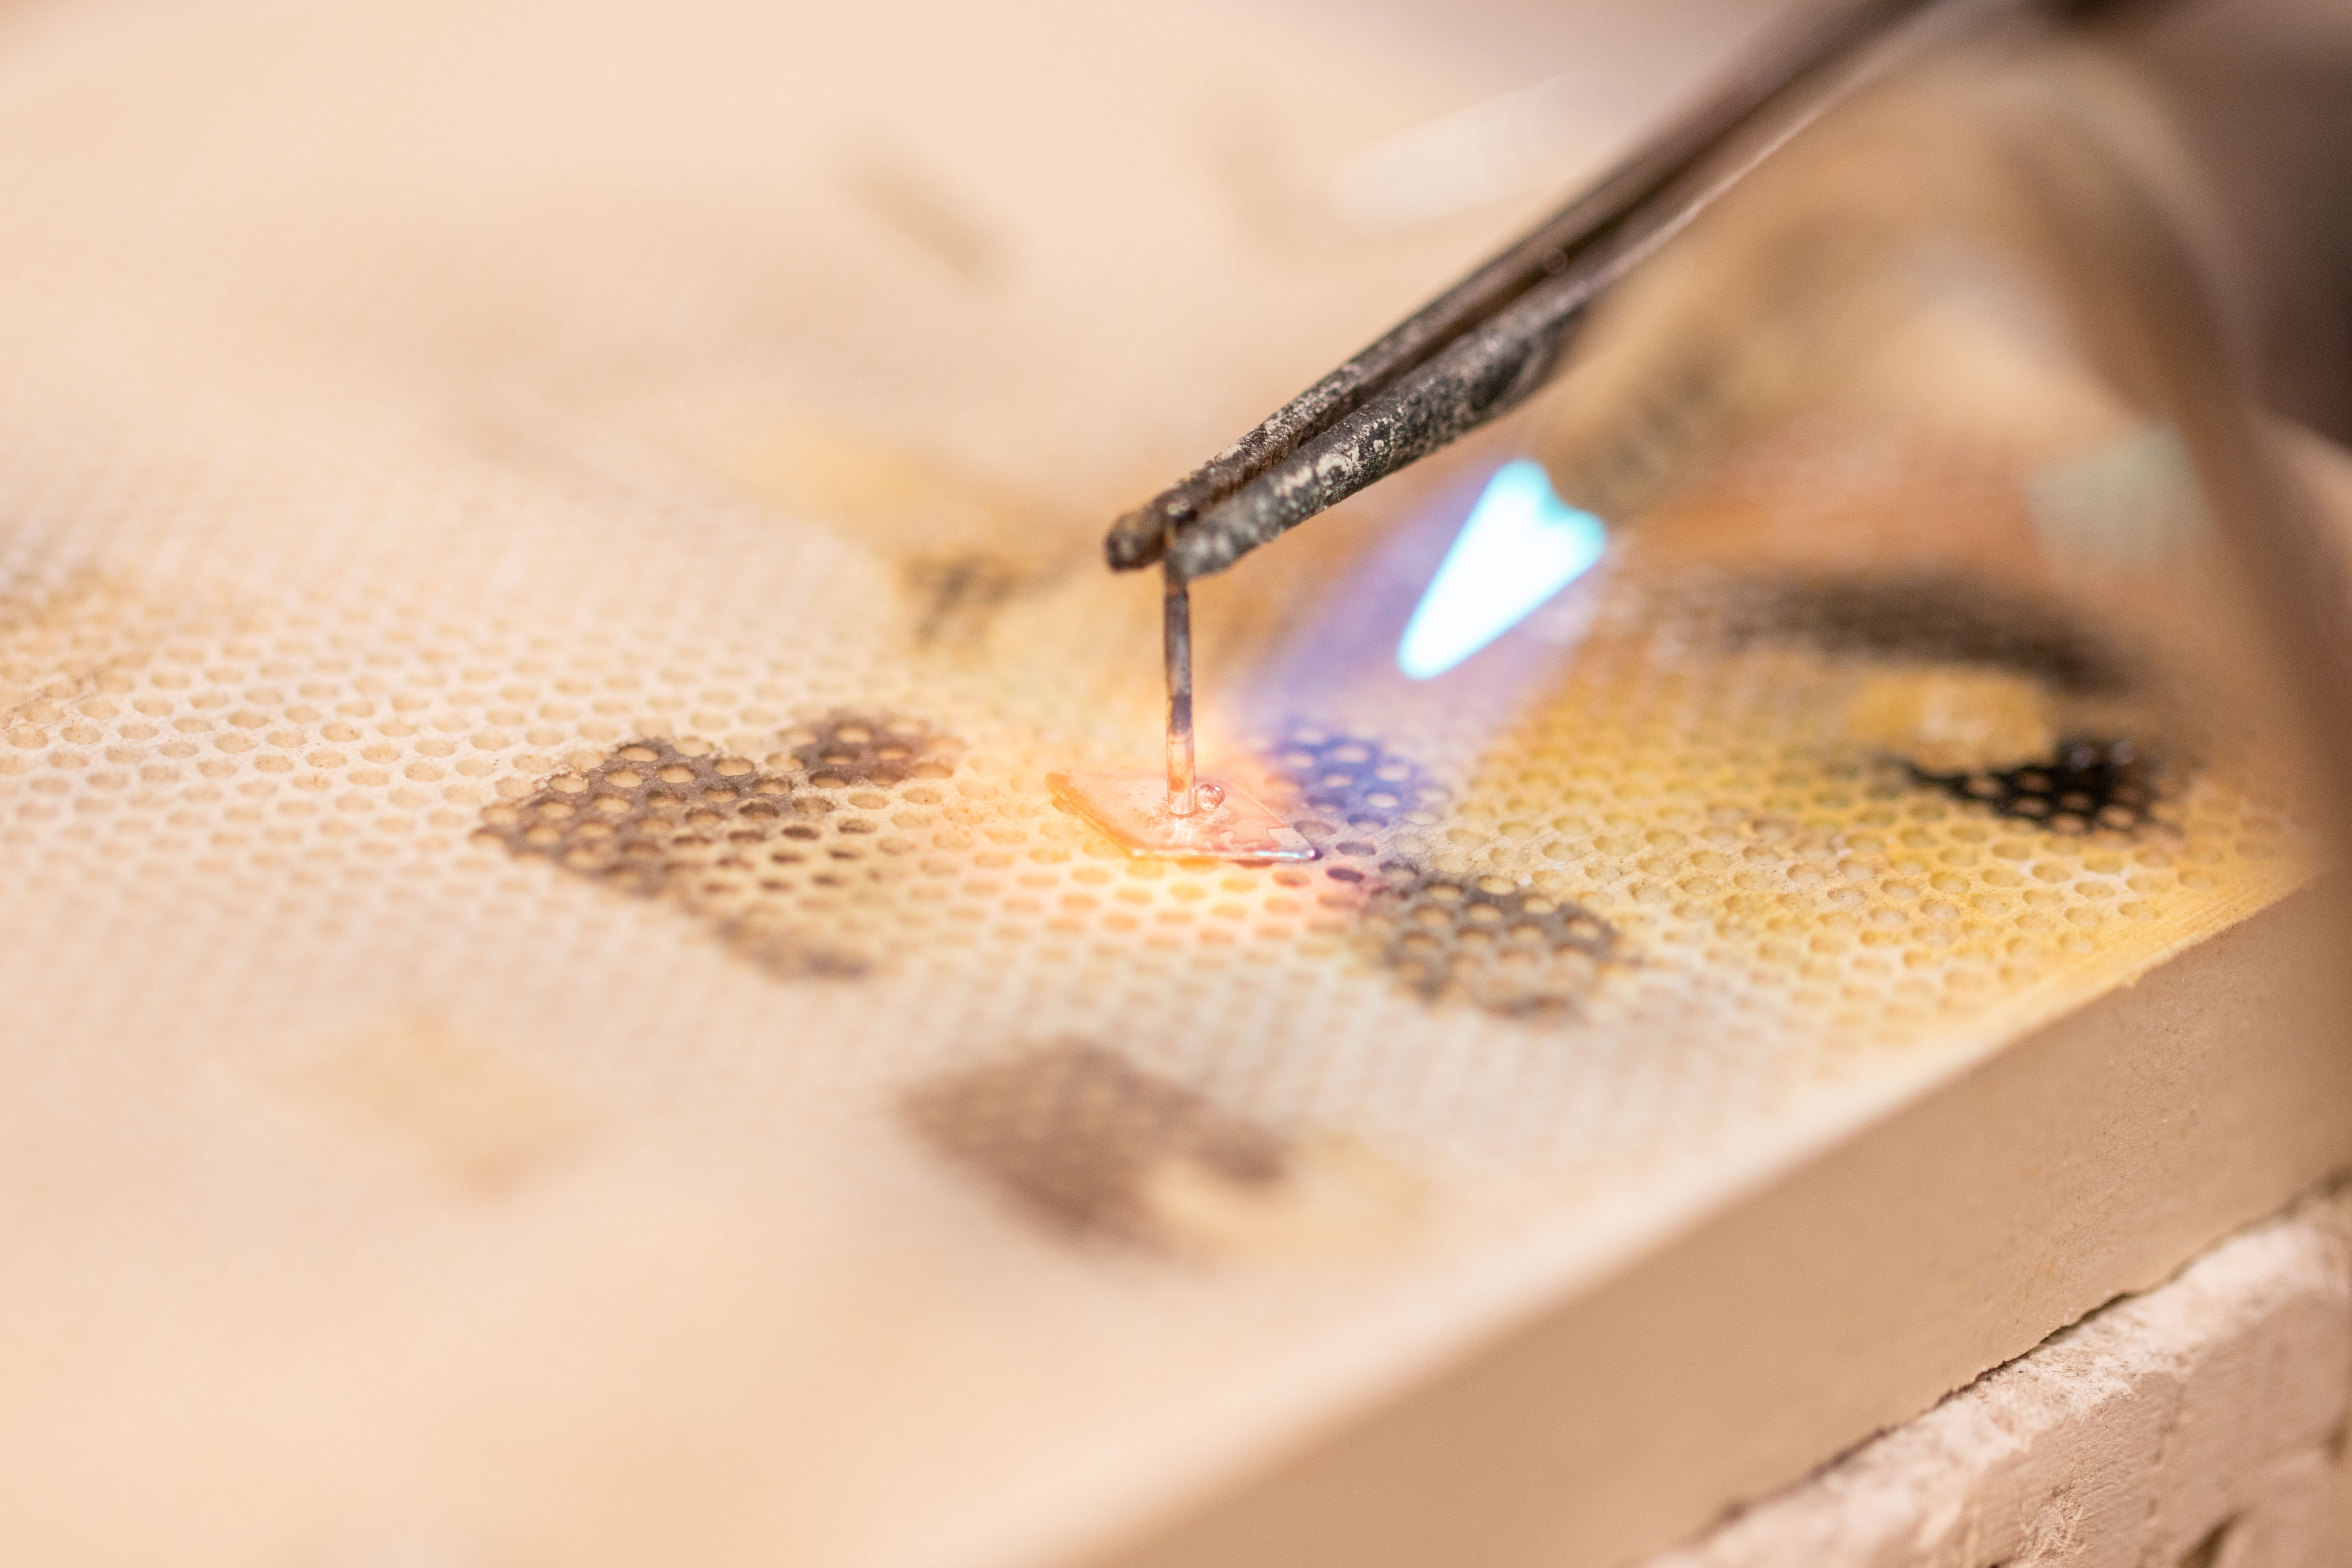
point(1138, 538)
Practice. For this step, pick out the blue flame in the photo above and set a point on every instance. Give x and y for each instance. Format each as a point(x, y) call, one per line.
point(1520, 545)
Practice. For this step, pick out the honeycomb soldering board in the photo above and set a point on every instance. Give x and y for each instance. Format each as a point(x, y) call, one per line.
point(546, 552)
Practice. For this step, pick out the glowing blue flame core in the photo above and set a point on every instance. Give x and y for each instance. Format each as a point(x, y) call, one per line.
point(1519, 546)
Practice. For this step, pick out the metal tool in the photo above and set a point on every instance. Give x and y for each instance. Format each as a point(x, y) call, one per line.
point(1487, 343)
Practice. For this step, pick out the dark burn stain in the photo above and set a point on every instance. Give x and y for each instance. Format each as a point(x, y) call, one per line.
point(1504, 948)
point(2088, 785)
point(647, 815)
point(778, 854)
point(958, 595)
point(854, 748)
point(1936, 620)
point(1082, 1141)
point(1508, 948)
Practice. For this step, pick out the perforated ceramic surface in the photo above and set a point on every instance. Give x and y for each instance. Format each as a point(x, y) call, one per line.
point(546, 552)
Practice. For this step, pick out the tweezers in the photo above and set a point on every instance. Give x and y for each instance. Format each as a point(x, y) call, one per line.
point(1487, 343)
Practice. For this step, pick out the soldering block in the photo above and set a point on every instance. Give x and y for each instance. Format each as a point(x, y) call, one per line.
point(547, 1015)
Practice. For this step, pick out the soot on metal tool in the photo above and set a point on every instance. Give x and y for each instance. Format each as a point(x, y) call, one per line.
point(1183, 815)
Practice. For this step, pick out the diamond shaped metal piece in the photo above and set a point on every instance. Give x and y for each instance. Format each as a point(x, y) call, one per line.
point(1132, 808)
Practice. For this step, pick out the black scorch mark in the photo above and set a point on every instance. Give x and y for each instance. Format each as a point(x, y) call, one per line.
point(1086, 1143)
point(787, 857)
point(1504, 948)
point(2087, 786)
point(2090, 783)
point(1932, 620)
point(1508, 948)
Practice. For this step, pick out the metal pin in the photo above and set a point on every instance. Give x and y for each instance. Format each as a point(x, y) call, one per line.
point(1178, 625)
